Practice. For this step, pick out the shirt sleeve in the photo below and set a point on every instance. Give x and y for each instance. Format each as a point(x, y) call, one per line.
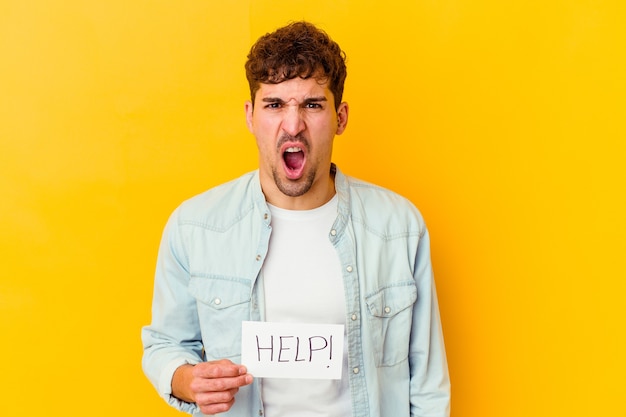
point(430, 382)
point(173, 337)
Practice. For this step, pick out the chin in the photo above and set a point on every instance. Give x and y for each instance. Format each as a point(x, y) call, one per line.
point(294, 188)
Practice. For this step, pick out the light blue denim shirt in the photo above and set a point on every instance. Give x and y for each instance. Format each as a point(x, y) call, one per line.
point(208, 281)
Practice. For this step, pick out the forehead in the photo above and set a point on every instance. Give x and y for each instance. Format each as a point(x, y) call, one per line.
point(296, 88)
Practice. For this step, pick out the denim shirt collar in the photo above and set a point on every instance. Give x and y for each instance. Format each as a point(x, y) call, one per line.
point(341, 188)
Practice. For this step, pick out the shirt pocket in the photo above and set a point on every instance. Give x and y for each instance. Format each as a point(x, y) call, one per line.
point(222, 303)
point(390, 318)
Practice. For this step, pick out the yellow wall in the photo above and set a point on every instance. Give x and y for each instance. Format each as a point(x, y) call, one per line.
point(504, 121)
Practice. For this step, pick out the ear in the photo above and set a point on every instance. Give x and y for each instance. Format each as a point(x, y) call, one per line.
point(342, 117)
point(249, 108)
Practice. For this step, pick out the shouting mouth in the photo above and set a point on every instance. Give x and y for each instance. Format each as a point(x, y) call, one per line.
point(293, 160)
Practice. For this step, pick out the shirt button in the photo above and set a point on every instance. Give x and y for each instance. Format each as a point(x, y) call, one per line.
point(355, 370)
point(265, 216)
point(217, 301)
point(349, 268)
point(258, 257)
point(387, 310)
point(354, 317)
point(333, 232)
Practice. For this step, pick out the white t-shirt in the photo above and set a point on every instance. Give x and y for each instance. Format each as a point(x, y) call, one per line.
point(303, 284)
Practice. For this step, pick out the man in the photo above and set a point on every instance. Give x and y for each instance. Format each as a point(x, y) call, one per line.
point(297, 241)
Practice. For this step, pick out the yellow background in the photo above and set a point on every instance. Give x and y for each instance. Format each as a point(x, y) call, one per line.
point(504, 121)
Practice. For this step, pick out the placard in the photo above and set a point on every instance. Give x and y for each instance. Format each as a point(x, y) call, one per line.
point(292, 350)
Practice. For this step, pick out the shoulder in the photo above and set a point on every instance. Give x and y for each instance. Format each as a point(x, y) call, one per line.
point(222, 205)
point(383, 209)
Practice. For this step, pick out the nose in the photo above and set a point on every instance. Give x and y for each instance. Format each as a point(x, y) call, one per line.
point(293, 122)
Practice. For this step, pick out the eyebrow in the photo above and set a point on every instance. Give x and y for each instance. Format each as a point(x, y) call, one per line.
point(280, 100)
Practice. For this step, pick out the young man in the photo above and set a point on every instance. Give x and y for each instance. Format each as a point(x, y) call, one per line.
point(297, 241)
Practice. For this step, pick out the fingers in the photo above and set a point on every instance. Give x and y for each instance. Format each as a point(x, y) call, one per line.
point(215, 384)
point(219, 384)
point(216, 402)
point(218, 369)
point(217, 376)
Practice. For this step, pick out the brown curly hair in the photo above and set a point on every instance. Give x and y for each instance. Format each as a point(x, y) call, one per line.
point(299, 49)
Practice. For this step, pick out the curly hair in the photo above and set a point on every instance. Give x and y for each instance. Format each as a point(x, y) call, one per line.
point(299, 49)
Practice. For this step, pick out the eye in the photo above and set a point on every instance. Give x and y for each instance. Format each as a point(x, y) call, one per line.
point(313, 106)
point(275, 105)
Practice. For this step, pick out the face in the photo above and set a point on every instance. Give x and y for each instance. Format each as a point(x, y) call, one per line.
point(294, 123)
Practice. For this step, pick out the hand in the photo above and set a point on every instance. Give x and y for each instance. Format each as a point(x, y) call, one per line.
point(211, 385)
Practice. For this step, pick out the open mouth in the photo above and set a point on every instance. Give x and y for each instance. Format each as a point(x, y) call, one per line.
point(293, 157)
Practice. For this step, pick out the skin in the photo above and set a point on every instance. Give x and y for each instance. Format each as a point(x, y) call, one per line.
point(295, 113)
point(211, 385)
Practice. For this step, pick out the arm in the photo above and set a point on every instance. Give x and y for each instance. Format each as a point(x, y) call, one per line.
point(173, 337)
point(173, 357)
point(430, 383)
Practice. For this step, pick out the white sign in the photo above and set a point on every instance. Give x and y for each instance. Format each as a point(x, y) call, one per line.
point(292, 350)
